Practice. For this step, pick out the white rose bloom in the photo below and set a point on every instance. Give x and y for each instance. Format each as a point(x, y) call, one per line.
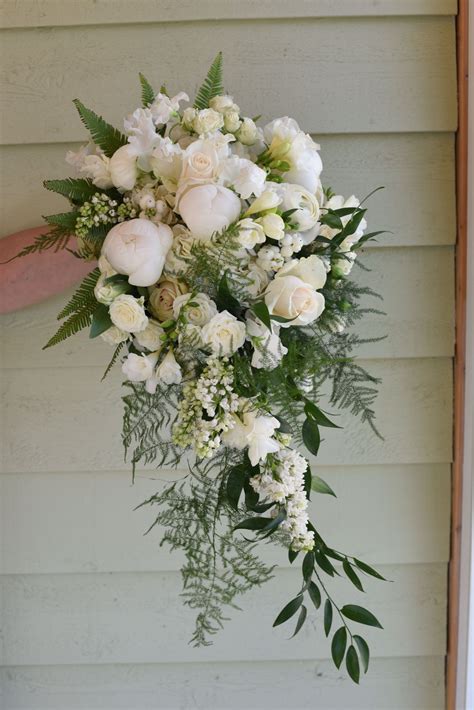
point(290, 297)
point(310, 269)
point(151, 337)
point(248, 132)
point(343, 266)
point(207, 209)
point(164, 107)
point(106, 293)
point(273, 225)
point(268, 200)
point(256, 280)
point(200, 313)
point(223, 103)
point(224, 334)
point(97, 168)
point(187, 120)
point(166, 162)
point(138, 248)
point(257, 433)
point(114, 336)
point(268, 348)
point(128, 314)
point(138, 368)
point(169, 370)
point(232, 121)
point(306, 205)
point(123, 168)
point(250, 233)
point(200, 162)
point(208, 121)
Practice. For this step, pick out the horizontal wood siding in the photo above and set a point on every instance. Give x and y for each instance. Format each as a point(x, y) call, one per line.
point(92, 617)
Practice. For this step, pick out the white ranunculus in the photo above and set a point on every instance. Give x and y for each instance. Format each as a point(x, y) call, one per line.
point(128, 314)
point(268, 200)
point(207, 209)
point(138, 368)
point(114, 336)
point(138, 248)
point(248, 132)
point(202, 310)
point(169, 370)
point(295, 197)
point(164, 107)
point(223, 103)
point(123, 168)
point(224, 334)
point(255, 432)
point(166, 161)
point(273, 225)
point(106, 293)
point(200, 162)
point(290, 297)
point(152, 337)
point(97, 168)
point(208, 121)
point(250, 233)
point(310, 269)
point(268, 348)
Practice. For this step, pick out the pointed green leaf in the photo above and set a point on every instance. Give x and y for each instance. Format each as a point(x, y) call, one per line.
point(308, 566)
point(292, 555)
point(323, 562)
point(352, 664)
point(352, 575)
point(225, 300)
point(312, 411)
point(368, 570)
point(301, 619)
point(363, 651)
point(315, 594)
point(100, 321)
point(261, 311)
point(361, 615)
point(102, 133)
point(327, 617)
point(338, 646)
point(320, 486)
point(289, 610)
point(311, 436)
point(253, 524)
point(235, 484)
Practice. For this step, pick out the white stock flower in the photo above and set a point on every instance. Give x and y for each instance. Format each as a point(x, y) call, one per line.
point(128, 314)
point(150, 338)
point(291, 298)
point(250, 233)
point(208, 121)
point(164, 107)
point(295, 197)
point(138, 249)
point(223, 103)
point(97, 169)
point(106, 292)
point(207, 209)
point(255, 432)
point(248, 132)
point(201, 310)
point(123, 167)
point(114, 336)
point(268, 348)
point(169, 370)
point(224, 334)
point(138, 368)
point(310, 269)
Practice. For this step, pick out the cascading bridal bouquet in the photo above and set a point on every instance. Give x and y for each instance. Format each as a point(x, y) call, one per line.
point(223, 285)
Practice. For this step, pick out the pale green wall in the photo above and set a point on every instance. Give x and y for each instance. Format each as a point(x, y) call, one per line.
point(92, 617)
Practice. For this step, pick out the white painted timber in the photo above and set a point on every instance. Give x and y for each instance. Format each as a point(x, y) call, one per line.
point(377, 63)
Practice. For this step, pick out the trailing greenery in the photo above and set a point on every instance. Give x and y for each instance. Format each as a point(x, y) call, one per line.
point(78, 311)
point(212, 85)
point(104, 135)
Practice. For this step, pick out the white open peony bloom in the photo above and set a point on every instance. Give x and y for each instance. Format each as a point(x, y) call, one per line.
point(138, 248)
point(290, 297)
point(207, 209)
point(128, 314)
point(310, 269)
point(224, 334)
point(255, 432)
point(139, 368)
point(123, 167)
point(151, 338)
point(169, 370)
point(199, 308)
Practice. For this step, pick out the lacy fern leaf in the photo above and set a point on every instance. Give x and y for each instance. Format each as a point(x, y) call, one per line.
point(148, 93)
point(75, 189)
point(104, 135)
point(212, 85)
point(79, 309)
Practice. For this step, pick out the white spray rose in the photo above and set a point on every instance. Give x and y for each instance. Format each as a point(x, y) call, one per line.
point(231, 121)
point(200, 161)
point(180, 252)
point(250, 233)
point(151, 338)
point(138, 249)
point(310, 269)
point(223, 103)
point(106, 292)
point(306, 205)
point(224, 334)
point(164, 107)
point(273, 225)
point(268, 348)
point(138, 368)
point(290, 297)
point(128, 314)
point(123, 168)
point(247, 133)
point(255, 432)
point(202, 310)
point(256, 279)
point(208, 121)
point(169, 370)
point(114, 336)
point(163, 296)
point(207, 209)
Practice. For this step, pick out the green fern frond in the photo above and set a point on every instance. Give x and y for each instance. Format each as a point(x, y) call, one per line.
point(212, 85)
point(63, 220)
point(103, 134)
point(113, 360)
point(77, 322)
point(148, 93)
point(56, 240)
point(79, 309)
point(83, 297)
point(75, 189)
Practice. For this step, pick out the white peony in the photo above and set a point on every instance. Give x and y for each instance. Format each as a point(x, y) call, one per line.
point(138, 368)
point(123, 168)
point(255, 432)
point(201, 310)
point(208, 121)
point(138, 249)
point(106, 293)
point(128, 314)
point(250, 233)
point(164, 107)
point(268, 348)
point(224, 334)
point(310, 269)
point(290, 297)
point(295, 197)
point(207, 209)
point(114, 336)
point(152, 337)
point(169, 370)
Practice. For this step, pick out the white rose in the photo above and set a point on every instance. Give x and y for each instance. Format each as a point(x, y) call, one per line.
point(97, 168)
point(223, 103)
point(187, 120)
point(151, 337)
point(207, 209)
point(255, 280)
point(247, 133)
point(138, 368)
point(250, 233)
point(128, 314)
point(169, 370)
point(306, 205)
point(268, 200)
point(290, 297)
point(106, 293)
point(257, 433)
point(200, 161)
point(163, 296)
point(208, 121)
point(268, 348)
point(123, 168)
point(231, 120)
point(273, 225)
point(342, 266)
point(202, 310)
point(310, 269)
point(114, 336)
point(224, 334)
point(138, 249)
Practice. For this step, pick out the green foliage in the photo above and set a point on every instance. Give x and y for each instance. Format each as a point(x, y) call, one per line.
point(148, 93)
point(102, 133)
point(77, 190)
point(78, 310)
point(212, 85)
point(114, 359)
